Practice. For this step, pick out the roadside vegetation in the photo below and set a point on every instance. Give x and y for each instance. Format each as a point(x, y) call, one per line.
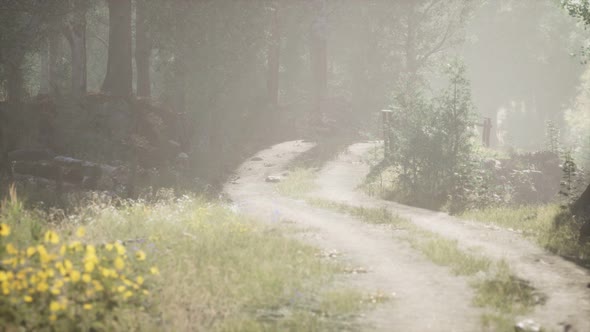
point(298, 183)
point(551, 226)
point(496, 288)
point(176, 265)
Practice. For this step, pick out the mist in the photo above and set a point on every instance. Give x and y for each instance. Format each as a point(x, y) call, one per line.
point(301, 165)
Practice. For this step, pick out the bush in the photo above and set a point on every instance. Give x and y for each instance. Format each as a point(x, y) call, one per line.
point(432, 144)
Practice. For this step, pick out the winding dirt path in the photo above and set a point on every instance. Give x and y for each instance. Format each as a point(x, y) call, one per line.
point(428, 297)
point(564, 283)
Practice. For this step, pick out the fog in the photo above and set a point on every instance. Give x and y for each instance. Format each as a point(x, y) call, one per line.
point(301, 165)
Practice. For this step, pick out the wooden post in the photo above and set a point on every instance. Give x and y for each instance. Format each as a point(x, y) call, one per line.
point(387, 139)
point(487, 130)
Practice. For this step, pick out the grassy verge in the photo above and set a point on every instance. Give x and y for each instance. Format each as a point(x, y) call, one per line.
point(496, 288)
point(299, 182)
point(539, 222)
point(217, 270)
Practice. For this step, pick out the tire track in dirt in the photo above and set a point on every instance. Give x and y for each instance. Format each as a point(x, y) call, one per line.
point(428, 297)
point(563, 282)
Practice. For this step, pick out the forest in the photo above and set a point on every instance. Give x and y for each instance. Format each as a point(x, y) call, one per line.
point(294, 165)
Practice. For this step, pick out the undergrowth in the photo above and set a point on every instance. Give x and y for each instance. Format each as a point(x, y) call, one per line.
point(495, 286)
point(202, 266)
point(551, 226)
point(299, 182)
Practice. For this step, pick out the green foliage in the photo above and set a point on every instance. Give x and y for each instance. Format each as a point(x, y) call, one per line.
point(62, 281)
point(432, 143)
point(552, 226)
point(552, 138)
point(247, 276)
point(568, 183)
point(506, 293)
point(298, 183)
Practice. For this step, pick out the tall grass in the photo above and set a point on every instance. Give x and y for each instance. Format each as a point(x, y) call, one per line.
point(300, 182)
point(551, 226)
point(495, 286)
point(218, 270)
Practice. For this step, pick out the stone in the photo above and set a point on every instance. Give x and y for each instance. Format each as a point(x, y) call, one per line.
point(273, 179)
point(527, 325)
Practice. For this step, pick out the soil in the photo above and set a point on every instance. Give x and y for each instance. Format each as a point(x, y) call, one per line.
point(424, 296)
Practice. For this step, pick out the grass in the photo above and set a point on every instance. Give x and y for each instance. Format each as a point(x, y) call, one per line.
point(499, 291)
point(446, 252)
point(300, 182)
point(540, 223)
point(218, 270)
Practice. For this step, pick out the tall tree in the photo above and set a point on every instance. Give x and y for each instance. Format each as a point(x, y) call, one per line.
point(75, 33)
point(119, 77)
point(143, 50)
point(274, 52)
point(319, 58)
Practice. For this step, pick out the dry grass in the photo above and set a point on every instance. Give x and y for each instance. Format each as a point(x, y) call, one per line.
point(218, 270)
point(539, 223)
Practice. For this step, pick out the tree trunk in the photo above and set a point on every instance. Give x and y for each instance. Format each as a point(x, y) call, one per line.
point(75, 33)
point(274, 51)
point(119, 77)
point(54, 60)
point(143, 50)
point(319, 61)
point(44, 75)
point(15, 86)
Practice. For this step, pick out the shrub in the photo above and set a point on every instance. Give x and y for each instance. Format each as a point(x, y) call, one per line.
point(432, 143)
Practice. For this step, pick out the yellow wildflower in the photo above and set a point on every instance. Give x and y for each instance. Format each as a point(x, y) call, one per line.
point(97, 286)
point(154, 270)
point(81, 232)
point(28, 299)
point(31, 251)
point(119, 263)
point(68, 265)
point(89, 267)
point(109, 246)
point(121, 289)
point(54, 306)
point(75, 275)
point(139, 280)
point(42, 287)
point(86, 278)
point(4, 230)
point(11, 249)
point(127, 294)
point(140, 255)
point(87, 306)
point(120, 248)
point(52, 317)
point(51, 237)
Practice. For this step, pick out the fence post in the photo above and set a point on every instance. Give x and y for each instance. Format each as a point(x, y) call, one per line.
point(487, 130)
point(386, 118)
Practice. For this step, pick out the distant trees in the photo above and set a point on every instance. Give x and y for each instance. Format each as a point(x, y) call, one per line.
point(119, 75)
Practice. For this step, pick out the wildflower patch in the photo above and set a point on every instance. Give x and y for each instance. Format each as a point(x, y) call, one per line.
point(70, 285)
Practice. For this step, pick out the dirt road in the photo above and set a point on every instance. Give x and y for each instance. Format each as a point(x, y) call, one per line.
point(427, 297)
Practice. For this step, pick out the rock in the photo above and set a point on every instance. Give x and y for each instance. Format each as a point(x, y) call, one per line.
point(527, 325)
point(256, 159)
point(273, 179)
point(31, 155)
point(269, 165)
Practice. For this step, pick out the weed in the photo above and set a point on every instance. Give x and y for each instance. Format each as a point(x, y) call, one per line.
point(299, 182)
